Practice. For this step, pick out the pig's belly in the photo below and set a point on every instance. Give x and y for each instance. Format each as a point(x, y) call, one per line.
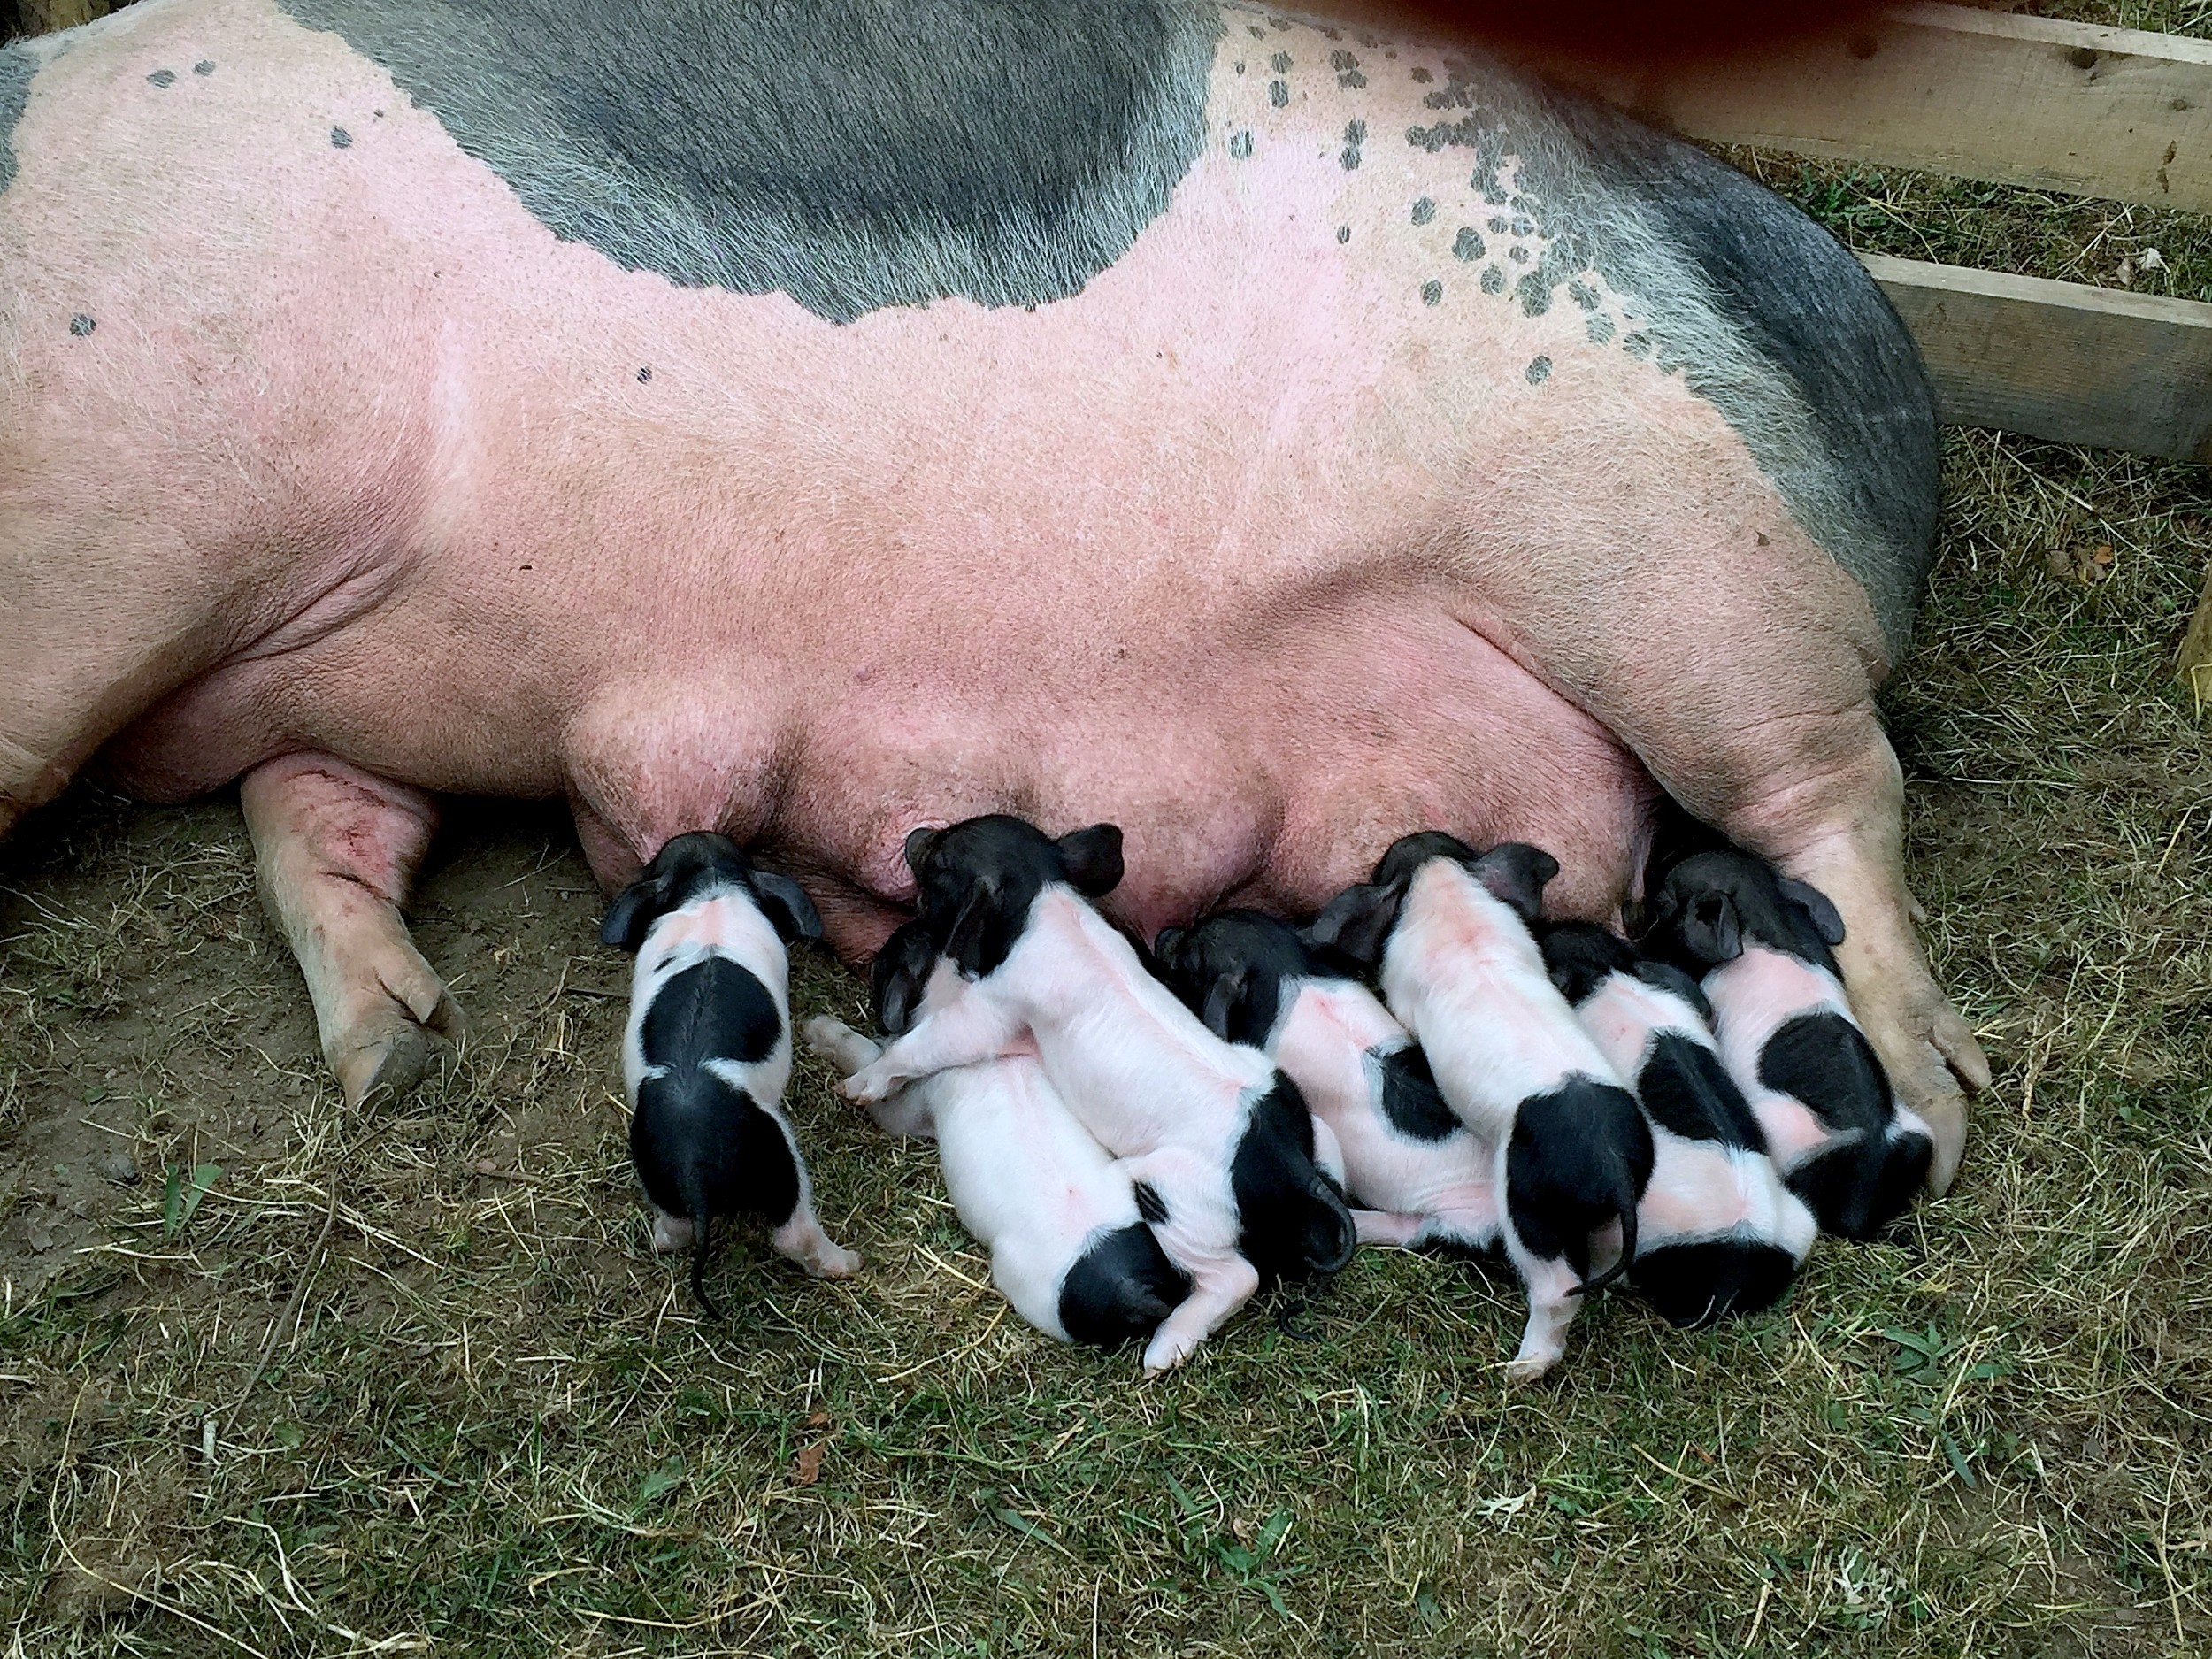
point(1242, 546)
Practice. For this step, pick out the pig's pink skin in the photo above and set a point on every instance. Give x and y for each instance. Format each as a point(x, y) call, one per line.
point(1244, 547)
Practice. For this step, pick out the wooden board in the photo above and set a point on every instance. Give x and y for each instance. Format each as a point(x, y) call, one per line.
point(2017, 100)
point(2089, 366)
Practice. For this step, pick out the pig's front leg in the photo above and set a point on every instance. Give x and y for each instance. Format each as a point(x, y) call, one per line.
point(968, 1029)
point(904, 1113)
point(336, 850)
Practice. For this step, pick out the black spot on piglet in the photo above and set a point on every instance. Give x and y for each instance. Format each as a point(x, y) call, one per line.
point(1120, 1288)
point(1409, 1097)
point(205, 66)
point(716, 1009)
point(81, 325)
point(340, 139)
point(162, 78)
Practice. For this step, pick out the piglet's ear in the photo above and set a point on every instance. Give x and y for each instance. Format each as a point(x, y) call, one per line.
point(1357, 922)
point(896, 997)
point(635, 908)
point(965, 943)
point(918, 841)
point(1711, 929)
point(1515, 873)
point(1167, 942)
point(1815, 904)
point(785, 905)
point(1224, 1001)
point(1093, 857)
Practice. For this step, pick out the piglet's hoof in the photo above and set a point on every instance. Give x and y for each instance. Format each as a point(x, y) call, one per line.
point(1933, 1063)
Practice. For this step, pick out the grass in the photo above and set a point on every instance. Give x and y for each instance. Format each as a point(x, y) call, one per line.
point(487, 1422)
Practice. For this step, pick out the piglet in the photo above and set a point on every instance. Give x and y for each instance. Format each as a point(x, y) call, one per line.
point(1449, 930)
point(1222, 1138)
point(1415, 1174)
point(708, 1051)
point(1761, 943)
point(1062, 1220)
point(1717, 1232)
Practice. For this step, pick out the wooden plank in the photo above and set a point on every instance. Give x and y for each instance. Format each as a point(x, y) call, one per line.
point(1982, 94)
point(2060, 360)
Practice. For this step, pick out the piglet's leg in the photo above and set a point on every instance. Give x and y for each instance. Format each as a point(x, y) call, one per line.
point(1551, 1310)
point(904, 1113)
point(801, 1240)
point(337, 850)
point(1218, 1289)
point(1390, 1232)
point(963, 1031)
point(670, 1232)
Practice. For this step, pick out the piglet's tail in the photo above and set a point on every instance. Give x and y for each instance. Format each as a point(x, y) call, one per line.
point(701, 1219)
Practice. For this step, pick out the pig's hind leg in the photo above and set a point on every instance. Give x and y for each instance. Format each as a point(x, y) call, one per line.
point(336, 850)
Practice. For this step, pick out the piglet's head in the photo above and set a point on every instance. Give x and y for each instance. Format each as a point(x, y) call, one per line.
point(978, 879)
point(697, 867)
point(900, 974)
point(1712, 905)
point(1582, 956)
point(1357, 922)
point(1233, 969)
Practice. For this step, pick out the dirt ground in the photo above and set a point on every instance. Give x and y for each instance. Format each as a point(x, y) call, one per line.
point(276, 1377)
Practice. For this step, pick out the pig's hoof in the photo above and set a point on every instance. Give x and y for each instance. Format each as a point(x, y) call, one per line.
point(383, 1057)
point(1933, 1063)
point(1523, 1369)
point(835, 1261)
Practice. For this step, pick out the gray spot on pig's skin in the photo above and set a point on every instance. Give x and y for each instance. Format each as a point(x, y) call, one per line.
point(81, 325)
point(17, 67)
point(162, 78)
point(1769, 320)
point(1540, 371)
point(205, 66)
point(341, 138)
point(1424, 210)
point(1432, 293)
point(854, 154)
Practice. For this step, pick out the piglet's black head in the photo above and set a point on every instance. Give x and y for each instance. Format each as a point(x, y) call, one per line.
point(900, 974)
point(1232, 970)
point(691, 867)
point(1581, 956)
point(979, 878)
point(1712, 905)
point(1357, 922)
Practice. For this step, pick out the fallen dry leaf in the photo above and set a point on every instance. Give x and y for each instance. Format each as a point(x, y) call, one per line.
point(806, 1467)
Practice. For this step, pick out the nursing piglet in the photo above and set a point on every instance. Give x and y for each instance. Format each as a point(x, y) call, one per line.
point(1415, 1173)
point(1222, 1138)
point(1761, 941)
point(708, 1051)
point(1717, 1232)
point(1062, 1220)
point(1449, 930)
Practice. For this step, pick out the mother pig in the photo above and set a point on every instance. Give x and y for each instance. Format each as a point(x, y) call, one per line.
point(814, 419)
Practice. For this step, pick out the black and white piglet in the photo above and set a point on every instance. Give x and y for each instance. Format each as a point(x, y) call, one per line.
point(708, 1050)
point(1717, 1232)
point(1062, 1220)
point(1449, 930)
point(1761, 943)
point(1221, 1138)
point(1415, 1173)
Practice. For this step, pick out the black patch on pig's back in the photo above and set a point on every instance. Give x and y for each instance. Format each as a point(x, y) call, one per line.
point(715, 1010)
point(17, 67)
point(1686, 1088)
point(1580, 1155)
point(1410, 1096)
point(1825, 1061)
point(853, 154)
point(698, 1141)
point(1119, 1288)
